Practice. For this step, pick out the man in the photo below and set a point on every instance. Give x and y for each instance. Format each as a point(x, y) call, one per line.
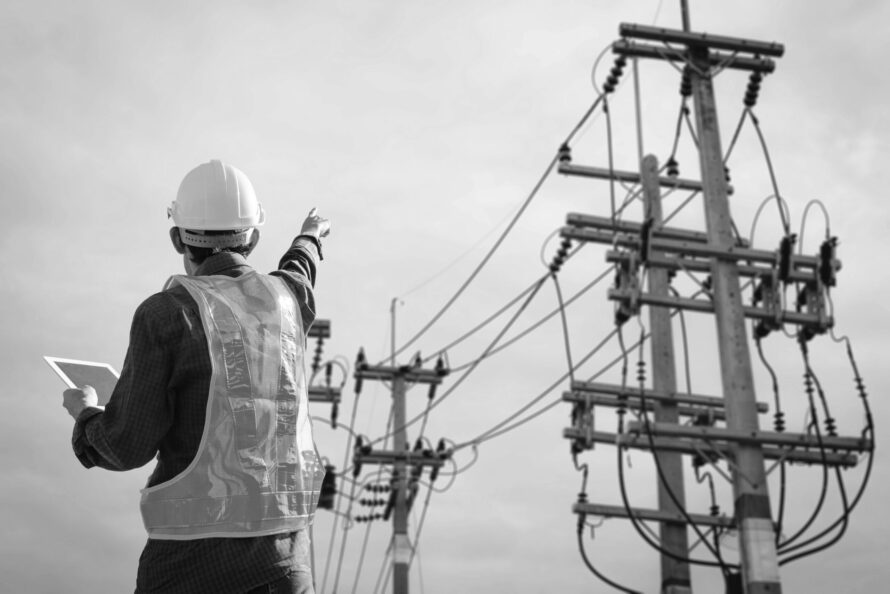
point(214, 384)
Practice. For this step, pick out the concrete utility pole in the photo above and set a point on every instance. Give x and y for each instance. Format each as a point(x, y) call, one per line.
point(675, 578)
point(719, 253)
point(401, 545)
point(752, 506)
point(400, 458)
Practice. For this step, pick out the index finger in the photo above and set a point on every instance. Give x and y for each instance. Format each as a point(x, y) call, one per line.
point(313, 211)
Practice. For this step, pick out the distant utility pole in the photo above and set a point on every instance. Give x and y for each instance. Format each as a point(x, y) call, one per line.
point(400, 457)
point(401, 545)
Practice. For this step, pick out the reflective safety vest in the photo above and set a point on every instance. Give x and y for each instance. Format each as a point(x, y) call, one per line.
point(256, 471)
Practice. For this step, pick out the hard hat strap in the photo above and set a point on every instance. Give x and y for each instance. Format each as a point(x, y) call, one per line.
point(231, 239)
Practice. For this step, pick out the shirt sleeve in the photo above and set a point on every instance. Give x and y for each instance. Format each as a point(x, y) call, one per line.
point(127, 433)
point(298, 268)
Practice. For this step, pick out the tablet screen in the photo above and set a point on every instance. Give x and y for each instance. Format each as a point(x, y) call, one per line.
point(77, 374)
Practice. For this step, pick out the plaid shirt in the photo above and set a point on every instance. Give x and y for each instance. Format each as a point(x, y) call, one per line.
point(158, 407)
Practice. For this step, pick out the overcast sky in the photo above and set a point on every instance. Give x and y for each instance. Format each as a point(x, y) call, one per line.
point(419, 129)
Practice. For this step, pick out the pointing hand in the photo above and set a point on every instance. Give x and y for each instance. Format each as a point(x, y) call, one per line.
point(316, 225)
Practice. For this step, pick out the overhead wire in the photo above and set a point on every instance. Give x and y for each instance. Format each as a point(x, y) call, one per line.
point(326, 421)
point(870, 431)
point(491, 435)
point(803, 222)
point(506, 307)
point(658, 467)
point(565, 324)
point(593, 569)
point(548, 170)
point(582, 522)
point(735, 136)
point(466, 467)
point(772, 173)
point(553, 234)
point(361, 558)
point(351, 433)
point(810, 377)
point(683, 205)
point(458, 258)
point(844, 522)
point(783, 206)
point(349, 513)
point(638, 109)
point(370, 524)
point(384, 567)
point(623, 486)
point(571, 367)
point(487, 320)
point(493, 347)
point(779, 427)
point(493, 431)
point(814, 426)
point(611, 159)
point(460, 380)
point(679, 127)
point(541, 321)
point(346, 528)
point(426, 505)
point(420, 573)
point(715, 509)
point(485, 260)
point(691, 128)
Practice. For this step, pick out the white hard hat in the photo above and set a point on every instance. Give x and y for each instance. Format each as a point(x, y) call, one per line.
point(216, 196)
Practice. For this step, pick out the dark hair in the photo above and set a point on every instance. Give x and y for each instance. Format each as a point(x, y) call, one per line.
point(199, 254)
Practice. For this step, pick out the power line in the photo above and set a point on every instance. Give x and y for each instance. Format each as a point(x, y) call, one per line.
point(361, 558)
point(460, 380)
point(490, 433)
point(539, 323)
point(590, 565)
point(351, 432)
point(565, 325)
point(501, 238)
point(772, 173)
point(870, 430)
point(487, 320)
point(658, 467)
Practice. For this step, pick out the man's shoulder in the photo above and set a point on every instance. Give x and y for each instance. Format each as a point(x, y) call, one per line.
point(165, 303)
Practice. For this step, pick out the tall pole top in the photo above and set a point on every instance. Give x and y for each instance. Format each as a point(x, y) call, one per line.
point(684, 9)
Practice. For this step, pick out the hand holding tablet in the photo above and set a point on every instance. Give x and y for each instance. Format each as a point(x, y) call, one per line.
point(94, 382)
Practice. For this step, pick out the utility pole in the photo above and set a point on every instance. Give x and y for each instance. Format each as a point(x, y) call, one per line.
point(723, 428)
point(400, 457)
point(401, 551)
point(675, 578)
point(752, 506)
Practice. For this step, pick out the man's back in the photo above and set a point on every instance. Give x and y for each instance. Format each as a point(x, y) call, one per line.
point(159, 407)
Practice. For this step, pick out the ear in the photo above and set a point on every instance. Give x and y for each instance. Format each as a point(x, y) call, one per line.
point(254, 239)
point(177, 240)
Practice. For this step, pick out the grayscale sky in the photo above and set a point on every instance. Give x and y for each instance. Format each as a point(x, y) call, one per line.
point(419, 129)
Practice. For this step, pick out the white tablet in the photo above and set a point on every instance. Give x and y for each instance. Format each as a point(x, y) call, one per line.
point(77, 374)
